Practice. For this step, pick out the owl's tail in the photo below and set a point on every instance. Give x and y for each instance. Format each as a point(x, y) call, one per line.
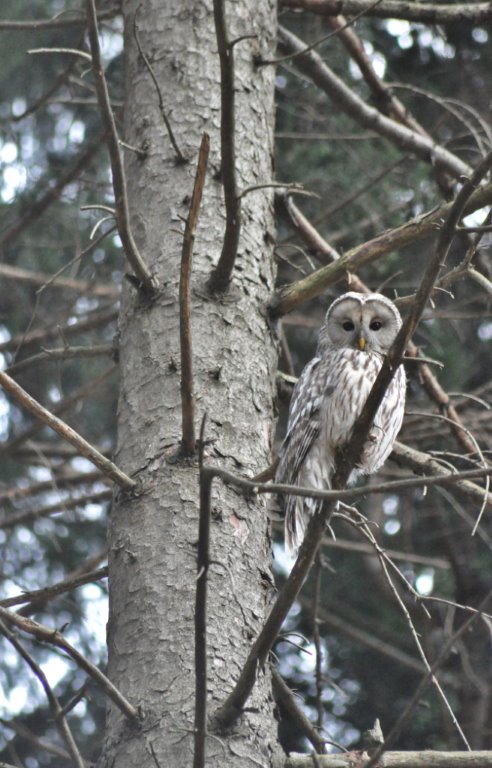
point(298, 512)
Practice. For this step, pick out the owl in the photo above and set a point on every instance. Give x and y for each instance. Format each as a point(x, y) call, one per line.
point(329, 396)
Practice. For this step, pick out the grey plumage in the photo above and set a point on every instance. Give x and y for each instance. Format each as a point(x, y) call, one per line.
point(329, 396)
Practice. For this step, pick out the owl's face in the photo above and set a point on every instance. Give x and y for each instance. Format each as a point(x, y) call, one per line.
point(368, 322)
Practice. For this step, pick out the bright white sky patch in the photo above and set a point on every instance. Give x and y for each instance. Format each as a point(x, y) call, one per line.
point(424, 582)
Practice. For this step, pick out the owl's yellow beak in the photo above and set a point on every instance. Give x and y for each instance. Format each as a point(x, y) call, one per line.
point(362, 343)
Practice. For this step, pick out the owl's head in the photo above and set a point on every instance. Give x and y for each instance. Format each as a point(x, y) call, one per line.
point(367, 322)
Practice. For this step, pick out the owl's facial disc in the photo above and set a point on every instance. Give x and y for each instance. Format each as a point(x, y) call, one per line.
point(369, 324)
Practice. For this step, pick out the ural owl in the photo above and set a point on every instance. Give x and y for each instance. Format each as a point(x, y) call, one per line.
point(329, 396)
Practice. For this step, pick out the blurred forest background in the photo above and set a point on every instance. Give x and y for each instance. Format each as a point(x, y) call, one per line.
point(349, 654)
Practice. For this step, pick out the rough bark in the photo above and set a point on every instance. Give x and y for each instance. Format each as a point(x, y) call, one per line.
point(152, 537)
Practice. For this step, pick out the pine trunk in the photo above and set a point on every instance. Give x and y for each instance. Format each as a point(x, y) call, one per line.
point(152, 538)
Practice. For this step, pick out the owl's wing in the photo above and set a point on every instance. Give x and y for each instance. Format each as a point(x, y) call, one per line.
point(304, 420)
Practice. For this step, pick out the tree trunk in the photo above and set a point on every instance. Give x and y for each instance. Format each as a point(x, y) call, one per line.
point(152, 538)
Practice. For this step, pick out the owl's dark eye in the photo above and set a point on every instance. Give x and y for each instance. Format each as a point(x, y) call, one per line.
point(348, 325)
point(376, 325)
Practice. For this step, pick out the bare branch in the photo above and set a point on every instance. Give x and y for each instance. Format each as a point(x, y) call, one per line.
point(56, 22)
point(82, 478)
point(287, 700)
point(81, 393)
point(64, 353)
point(312, 65)
point(67, 433)
point(416, 229)
point(47, 593)
point(142, 273)
point(54, 704)
point(439, 477)
point(40, 278)
point(8, 521)
point(425, 759)
point(55, 637)
point(187, 394)
point(94, 320)
point(430, 13)
point(221, 275)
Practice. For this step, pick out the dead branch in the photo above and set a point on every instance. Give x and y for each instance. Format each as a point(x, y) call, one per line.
point(188, 439)
point(443, 653)
point(430, 13)
point(146, 280)
point(47, 593)
point(425, 759)
point(221, 275)
point(311, 65)
point(56, 22)
point(64, 353)
point(41, 744)
point(94, 320)
point(425, 464)
point(291, 296)
point(67, 433)
point(55, 637)
point(82, 478)
point(442, 477)
point(80, 394)
point(8, 521)
point(287, 700)
point(84, 287)
point(56, 710)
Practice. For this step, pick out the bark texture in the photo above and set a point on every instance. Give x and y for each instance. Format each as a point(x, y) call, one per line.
point(152, 538)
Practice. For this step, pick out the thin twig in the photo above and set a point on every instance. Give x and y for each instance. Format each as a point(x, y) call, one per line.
point(67, 433)
point(180, 158)
point(56, 638)
point(56, 22)
point(348, 494)
point(383, 562)
point(187, 395)
point(203, 562)
point(324, 38)
point(221, 275)
point(8, 521)
point(63, 353)
point(317, 574)
point(46, 593)
point(448, 646)
point(146, 280)
point(56, 710)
